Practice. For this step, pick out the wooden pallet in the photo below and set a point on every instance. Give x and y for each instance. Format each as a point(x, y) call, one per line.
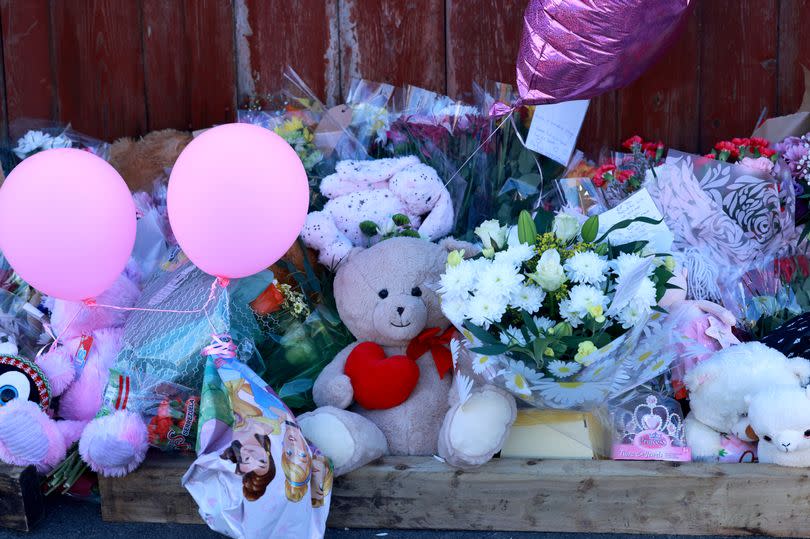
point(22, 504)
point(520, 495)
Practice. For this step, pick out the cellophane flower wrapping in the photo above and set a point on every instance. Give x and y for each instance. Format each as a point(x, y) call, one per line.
point(558, 321)
point(767, 293)
point(159, 371)
point(301, 333)
point(29, 136)
point(723, 216)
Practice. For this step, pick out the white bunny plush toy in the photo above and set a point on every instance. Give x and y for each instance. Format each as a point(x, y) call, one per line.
point(375, 191)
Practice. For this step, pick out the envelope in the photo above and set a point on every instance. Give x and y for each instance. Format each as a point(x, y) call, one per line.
point(554, 434)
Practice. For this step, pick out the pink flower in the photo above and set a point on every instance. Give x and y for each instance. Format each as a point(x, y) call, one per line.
point(760, 164)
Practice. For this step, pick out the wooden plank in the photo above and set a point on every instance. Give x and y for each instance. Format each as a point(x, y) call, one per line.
point(794, 50)
point(483, 38)
point(738, 67)
point(27, 59)
point(189, 63)
point(663, 103)
point(520, 495)
point(22, 504)
point(99, 66)
point(272, 35)
point(393, 41)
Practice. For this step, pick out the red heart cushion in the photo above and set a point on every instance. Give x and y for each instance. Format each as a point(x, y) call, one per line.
point(380, 382)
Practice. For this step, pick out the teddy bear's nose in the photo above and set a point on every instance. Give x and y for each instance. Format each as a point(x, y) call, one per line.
point(786, 445)
point(400, 310)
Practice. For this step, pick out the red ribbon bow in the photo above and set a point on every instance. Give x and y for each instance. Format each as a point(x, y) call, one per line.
point(434, 341)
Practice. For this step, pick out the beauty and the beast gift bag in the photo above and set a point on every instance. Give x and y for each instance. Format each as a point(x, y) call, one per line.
point(255, 475)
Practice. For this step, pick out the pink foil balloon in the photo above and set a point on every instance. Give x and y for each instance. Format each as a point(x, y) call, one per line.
point(67, 223)
point(579, 49)
point(238, 197)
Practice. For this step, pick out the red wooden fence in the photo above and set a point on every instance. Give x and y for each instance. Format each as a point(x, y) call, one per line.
point(124, 67)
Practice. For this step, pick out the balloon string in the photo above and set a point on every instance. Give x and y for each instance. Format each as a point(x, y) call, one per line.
point(219, 281)
point(478, 149)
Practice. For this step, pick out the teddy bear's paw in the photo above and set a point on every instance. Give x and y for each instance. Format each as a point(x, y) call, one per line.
point(348, 439)
point(114, 445)
point(477, 429)
point(28, 436)
point(337, 392)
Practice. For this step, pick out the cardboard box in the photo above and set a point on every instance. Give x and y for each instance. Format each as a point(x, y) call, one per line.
point(555, 434)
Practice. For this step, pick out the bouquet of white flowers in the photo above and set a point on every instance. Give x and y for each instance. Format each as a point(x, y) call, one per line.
point(554, 313)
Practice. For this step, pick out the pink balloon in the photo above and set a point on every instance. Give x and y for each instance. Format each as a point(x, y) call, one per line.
point(67, 223)
point(238, 197)
point(579, 49)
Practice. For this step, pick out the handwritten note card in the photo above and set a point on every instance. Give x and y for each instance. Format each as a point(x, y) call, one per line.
point(640, 204)
point(555, 128)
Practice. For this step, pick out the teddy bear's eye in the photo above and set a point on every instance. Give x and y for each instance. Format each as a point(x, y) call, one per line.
point(383, 293)
point(807, 433)
point(416, 291)
point(767, 438)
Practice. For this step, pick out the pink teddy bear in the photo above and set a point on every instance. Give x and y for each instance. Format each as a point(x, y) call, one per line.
point(77, 370)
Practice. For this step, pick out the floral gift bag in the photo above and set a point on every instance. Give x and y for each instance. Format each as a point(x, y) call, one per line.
point(255, 475)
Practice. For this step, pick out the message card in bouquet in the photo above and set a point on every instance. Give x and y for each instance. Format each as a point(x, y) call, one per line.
point(555, 128)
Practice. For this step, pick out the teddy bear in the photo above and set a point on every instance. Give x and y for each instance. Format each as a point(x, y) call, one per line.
point(75, 371)
point(781, 418)
point(392, 391)
point(375, 191)
point(141, 162)
point(718, 427)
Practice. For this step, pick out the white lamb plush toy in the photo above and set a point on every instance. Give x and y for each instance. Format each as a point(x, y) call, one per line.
point(375, 191)
point(781, 418)
point(718, 388)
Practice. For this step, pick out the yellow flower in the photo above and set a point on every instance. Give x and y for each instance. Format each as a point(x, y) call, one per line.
point(585, 349)
point(597, 312)
point(455, 258)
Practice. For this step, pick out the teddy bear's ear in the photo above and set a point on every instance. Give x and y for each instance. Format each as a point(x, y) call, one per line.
point(452, 244)
point(801, 368)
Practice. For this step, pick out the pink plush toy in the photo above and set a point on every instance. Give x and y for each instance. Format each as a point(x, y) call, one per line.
point(76, 371)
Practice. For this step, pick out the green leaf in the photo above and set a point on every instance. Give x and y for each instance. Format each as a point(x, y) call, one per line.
point(481, 334)
point(539, 348)
point(527, 231)
point(491, 349)
point(590, 229)
point(543, 220)
point(528, 322)
point(659, 309)
point(400, 219)
point(624, 224)
point(627, 248)
point(369, 228)
point(294, 387)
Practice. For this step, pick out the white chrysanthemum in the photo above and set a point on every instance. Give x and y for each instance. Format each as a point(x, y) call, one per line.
point(564, 369)
point(586, 268)
point(481, 363)
point(31, 142)
point(543, 323)
point(59, 142)
point(529, 298)
point(485, 309)
point(513, 336)
point(583, 300)
point(455, 309)
point(499, 279)
point(519, 378)
point(640, 306)
point(457, 281)
point(516, 254)
point(625, 263)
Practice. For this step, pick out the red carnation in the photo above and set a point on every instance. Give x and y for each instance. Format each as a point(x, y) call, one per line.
point(624, 175)
point(766, 152)
point(741, 142)
point(632, 141)
point(759, 142)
